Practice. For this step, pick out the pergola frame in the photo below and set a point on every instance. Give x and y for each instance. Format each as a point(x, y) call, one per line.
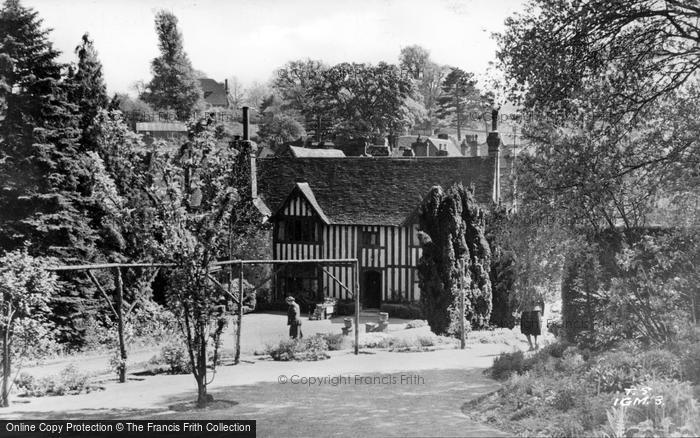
point(118, 311)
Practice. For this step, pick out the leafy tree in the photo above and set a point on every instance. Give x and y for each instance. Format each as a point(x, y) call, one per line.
point(202, 202)
point(294, 81)
point(364, 100)
point(603, 88)
point(428, 77)
point(25, 290)
point(237, 92)
point(255, 94)
point(452, 235)
point(643, 48)
point(88, 91)
point(414, 60)
point(459, 97)
point(174, 85)
point(280, 129)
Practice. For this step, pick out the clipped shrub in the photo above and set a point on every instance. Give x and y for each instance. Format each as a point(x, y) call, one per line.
point(403, 311)
point(175, 356)
point(555, 349)
point(69, 381)
point(375, 340)
point(335, 341)
point(426, 341)
point(571, 361)
point(416, 323)
point(312, 348)
point(508, 363)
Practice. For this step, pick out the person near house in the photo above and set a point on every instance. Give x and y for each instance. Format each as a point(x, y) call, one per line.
point(531, 319)
point(294, 319)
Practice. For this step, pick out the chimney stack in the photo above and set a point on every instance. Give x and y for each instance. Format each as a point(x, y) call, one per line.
point(494, 143)
point(246, 136)
point(250, 148)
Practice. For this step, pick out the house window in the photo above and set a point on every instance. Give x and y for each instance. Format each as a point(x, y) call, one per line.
point(370, 238)
point(297, 230)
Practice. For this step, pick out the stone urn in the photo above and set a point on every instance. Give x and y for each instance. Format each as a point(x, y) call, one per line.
point(383, 317)
point(348, 322)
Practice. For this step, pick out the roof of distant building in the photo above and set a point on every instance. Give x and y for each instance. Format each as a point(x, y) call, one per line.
point(161, 127)
point(449, 145)
point(214, 93)
point(301, 152)
point(370, 191)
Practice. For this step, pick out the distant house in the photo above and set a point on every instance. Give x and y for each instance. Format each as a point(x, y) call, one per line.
point(357, 207)
point(169, 131)
point(428, 146)
point(215, 93)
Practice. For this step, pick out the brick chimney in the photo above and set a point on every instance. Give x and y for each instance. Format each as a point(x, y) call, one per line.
point(494, 143)
point(250, 148)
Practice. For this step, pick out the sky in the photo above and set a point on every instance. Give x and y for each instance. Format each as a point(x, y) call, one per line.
point(249, 39)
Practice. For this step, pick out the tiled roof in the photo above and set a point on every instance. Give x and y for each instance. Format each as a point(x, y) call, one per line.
point(300, 152)
point(370, 191)
point(214, 92)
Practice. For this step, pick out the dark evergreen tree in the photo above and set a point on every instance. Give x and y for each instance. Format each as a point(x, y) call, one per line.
point(174, 85)
point(46, 183)
point(503, 270)
point(43, 177)
point(88, 91)
point(452, 235)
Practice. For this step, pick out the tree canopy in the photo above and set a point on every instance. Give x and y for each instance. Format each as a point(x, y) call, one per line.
point(363, 100)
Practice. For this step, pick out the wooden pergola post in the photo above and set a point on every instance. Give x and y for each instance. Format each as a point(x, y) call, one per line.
point(119, 301)
point(357, 307)
point(240, 315)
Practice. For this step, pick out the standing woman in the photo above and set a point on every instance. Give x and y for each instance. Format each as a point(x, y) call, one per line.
point(294, 319)
point(531, 319)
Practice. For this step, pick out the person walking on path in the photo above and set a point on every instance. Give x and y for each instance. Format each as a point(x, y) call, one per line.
point(531, 319)
point(294, 319)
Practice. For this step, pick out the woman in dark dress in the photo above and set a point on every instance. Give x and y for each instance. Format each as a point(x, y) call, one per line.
point(294, 319)
point(531, 320)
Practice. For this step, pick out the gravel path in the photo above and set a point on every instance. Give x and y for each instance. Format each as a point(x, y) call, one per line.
point(377, 393)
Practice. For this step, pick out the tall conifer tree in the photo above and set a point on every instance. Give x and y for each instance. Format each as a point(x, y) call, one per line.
point(174, 85)
point(88, 91)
